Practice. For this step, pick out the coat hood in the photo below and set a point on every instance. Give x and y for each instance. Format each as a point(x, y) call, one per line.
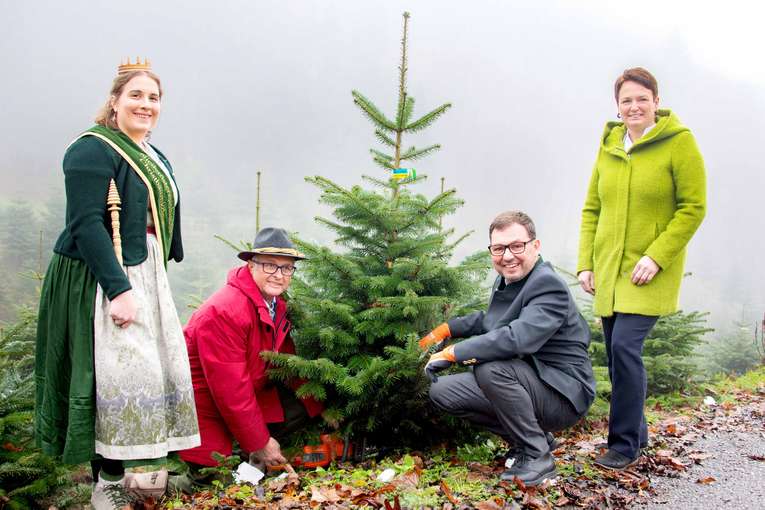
point(667, 126)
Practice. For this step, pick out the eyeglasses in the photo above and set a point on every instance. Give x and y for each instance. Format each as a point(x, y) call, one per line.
point(515, 248)
point(271, 268)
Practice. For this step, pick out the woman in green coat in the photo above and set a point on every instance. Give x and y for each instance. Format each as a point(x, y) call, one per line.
point(112, 372)
point(646, 198)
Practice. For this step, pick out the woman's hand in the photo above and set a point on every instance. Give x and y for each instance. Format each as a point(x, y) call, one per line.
point(644, 270)
point(587, 281)
point(122, 309)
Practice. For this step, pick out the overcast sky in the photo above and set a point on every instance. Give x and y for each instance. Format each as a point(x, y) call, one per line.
point(265, 85)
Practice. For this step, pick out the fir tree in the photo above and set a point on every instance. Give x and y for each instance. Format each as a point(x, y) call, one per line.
point(19, 254)
point(359, 312)
point(26, 474)
point(733, 352)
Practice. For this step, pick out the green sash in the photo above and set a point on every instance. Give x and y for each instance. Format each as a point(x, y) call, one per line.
point(157, 182)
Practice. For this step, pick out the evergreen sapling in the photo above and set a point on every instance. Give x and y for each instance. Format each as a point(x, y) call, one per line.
point(359, 310)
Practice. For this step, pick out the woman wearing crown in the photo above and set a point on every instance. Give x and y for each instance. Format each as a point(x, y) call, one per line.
point(113, 380)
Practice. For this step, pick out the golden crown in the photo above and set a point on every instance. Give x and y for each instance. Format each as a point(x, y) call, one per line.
point(128, 66)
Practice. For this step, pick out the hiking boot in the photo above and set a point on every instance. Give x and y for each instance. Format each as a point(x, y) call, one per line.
point(615, 460)
point(144, 485)
point(531, 471)
point(514, 452)
point(110, 496)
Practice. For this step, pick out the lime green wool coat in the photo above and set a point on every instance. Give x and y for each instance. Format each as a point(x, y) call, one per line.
point(647, 201)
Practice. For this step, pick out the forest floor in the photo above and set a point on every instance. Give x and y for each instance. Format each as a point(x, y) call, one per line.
point(706, 455)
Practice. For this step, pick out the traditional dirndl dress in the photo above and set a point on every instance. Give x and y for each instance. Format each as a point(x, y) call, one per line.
point(144, 397)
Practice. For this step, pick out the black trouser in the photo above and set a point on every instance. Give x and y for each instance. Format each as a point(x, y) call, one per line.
point(625, 335)
point(295, 415)
point(508, 398)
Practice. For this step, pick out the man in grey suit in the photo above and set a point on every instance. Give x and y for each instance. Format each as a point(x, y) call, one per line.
point(531, 374)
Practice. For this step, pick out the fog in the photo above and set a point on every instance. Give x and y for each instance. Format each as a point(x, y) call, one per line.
point(265, 85)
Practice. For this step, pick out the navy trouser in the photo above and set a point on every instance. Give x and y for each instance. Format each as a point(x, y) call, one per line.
point(625, 335)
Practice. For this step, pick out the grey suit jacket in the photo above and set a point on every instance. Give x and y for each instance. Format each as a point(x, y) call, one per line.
point(535, 319)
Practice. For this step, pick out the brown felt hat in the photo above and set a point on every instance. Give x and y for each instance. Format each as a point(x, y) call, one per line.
point(272, 241)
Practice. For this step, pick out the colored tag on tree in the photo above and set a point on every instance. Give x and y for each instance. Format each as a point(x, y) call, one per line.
point(403, 173)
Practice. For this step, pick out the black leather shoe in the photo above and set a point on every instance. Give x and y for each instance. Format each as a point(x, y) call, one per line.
point(615, 460)
point(515, 452)
point(531, 471)
point(552, 442)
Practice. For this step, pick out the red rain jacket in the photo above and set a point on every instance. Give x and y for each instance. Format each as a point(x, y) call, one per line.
point(233, 396)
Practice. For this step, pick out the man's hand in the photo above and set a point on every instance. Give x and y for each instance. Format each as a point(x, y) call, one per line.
point(644, 270)
point(271, 454)
point(587, 281)
point(439, 361)
point(435, 337)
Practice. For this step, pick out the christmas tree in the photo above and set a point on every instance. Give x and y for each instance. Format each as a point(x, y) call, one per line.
point(358, 313)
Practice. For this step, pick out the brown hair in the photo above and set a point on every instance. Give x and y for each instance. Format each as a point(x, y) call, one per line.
point(105, 115)
point(640, 76)
point(508, 218)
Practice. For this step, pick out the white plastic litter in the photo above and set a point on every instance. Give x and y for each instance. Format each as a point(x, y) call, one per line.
point(710, 401)
point(248, 473)
point(386, 476)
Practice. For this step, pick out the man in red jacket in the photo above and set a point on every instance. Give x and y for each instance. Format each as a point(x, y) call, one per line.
point(225, 336)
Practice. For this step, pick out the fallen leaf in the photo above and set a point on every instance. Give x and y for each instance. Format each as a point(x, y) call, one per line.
point(487, 505)
point(707, 480)
point(408, 480)
point(563, 501)
point(677, 464)
point(572, 490)
point(536, 503)
point(278, 484)
point(290, 503)
point(324, 494)
point(396, 505)
point(698, 457)
point(480, 468)
point(448, 493)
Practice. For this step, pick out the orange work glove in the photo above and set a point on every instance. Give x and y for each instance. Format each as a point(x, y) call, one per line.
point(435, 337)
point(440, 361)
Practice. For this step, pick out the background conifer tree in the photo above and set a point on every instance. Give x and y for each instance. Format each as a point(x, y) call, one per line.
point(359, 310)
point(667, 353)
point(26, 474)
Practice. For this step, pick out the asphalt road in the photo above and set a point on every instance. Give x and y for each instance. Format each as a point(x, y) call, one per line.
point(739, 481)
